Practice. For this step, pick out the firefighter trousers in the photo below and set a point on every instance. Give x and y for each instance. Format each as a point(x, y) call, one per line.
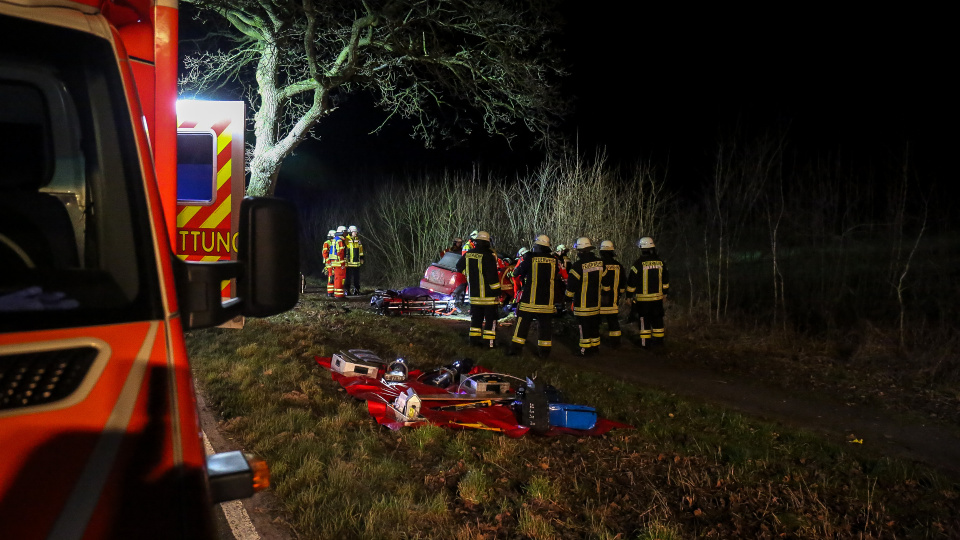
point(589, 332)
point(339, 273)
point(649, 316)
point(613, 327)
point(482, 319)
point(352, 282)
point(545, 331)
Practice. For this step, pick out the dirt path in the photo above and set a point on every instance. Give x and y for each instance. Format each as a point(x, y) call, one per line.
point(882, 432)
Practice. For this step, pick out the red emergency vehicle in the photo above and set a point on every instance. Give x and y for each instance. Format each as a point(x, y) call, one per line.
point(99, 432)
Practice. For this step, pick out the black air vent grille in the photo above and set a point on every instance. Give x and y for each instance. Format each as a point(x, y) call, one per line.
point(38, 378)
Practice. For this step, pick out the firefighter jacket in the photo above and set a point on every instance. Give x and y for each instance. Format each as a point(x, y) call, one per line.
point(326, 252)
point(584, 284)
point(542, 285)
point(649, 279)
point(480, 267)
point(336, 253)
point(614, 284)
point(354, 251)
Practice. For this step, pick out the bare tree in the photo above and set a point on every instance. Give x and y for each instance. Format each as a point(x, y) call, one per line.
point(451, 67)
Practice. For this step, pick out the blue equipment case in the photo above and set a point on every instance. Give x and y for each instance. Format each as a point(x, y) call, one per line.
point(572, 416)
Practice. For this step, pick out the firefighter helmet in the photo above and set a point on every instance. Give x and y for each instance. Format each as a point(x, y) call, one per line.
point(341, 229)
point(522, 251)
point(473, 235)
point(331, 233)
point(606, 245)
point(646, 243)
point(582, 243)
point(352, 228)
point(561, 248)
point(481, 235)
point(542, 240)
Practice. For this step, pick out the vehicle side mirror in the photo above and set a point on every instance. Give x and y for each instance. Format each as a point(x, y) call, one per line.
point(267, 269)
point(268, 251)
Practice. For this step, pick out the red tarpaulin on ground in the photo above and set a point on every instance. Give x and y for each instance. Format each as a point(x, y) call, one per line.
point(498, 417)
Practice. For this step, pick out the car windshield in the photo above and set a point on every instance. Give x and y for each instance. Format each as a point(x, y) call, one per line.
point(75, 247)
point(449, 260)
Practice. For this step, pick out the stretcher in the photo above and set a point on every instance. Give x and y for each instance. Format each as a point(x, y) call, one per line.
point(413, 301)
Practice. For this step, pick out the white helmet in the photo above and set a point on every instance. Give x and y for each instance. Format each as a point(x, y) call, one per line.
point(522, 251)
point(331, 233)
point(561, 247)
point(606, 245)
point(341, 229)
point(474, 234)
point(542, 240)
point(352, 228)
point(646, 243)
point(481, 235)
point(582, 243)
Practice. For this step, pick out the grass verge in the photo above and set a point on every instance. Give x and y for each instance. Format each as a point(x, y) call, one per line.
point(686, 470)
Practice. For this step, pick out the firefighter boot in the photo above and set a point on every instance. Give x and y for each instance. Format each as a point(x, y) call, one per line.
point(543, 352)
point(614, 342)
point(514, 349)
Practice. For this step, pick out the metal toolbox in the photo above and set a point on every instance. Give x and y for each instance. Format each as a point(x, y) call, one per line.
point(357, 362)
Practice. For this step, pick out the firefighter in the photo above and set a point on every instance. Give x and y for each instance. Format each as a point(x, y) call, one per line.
point(456, 247)
point(511, 300)
point(354, 249)
point(470, 243)
point(584, 285)
point(649, 282)
point(338, 261)
point(480, 267)
point(614, 285)
point(539, 275)
point(326, 261)
point(563, 260)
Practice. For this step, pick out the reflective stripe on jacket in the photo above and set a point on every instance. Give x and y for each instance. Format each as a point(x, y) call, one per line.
point(480, 267)
point(584, 284)
point(614, 285)
point(541, 281)
point(354, 251)
point(649, 279)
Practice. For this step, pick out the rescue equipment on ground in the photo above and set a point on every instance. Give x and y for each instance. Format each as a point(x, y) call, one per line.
point(535, 406)
point(484, 384)
point(413, 300)
point(572, 416)
point(357, 362)
point(407, 405)
point(397, 371)
point(449, 375)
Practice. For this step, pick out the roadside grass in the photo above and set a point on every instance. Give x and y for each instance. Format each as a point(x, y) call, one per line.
point(685, 470)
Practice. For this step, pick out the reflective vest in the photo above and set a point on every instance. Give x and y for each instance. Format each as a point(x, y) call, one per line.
point(354, 251)
point(326, 252)
point(336, 252)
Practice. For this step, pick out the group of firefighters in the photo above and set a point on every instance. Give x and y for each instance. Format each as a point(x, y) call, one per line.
point(546, 281)
point(342, 259)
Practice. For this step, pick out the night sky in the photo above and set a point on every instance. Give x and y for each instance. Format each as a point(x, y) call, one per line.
point(662, 84)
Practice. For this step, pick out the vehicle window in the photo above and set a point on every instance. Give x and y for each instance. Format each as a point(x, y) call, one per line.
point(75, 246)
point(196, 156)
